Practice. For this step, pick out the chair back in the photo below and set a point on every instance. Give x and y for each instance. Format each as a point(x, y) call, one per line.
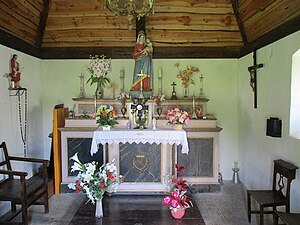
point(284, 174)
point(5, 161)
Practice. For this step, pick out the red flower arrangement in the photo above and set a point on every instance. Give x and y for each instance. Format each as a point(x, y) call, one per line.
point(178, 198)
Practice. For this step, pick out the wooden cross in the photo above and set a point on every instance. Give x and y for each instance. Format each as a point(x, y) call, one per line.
point(140, 107)
point(174, 97)
point(253, 81)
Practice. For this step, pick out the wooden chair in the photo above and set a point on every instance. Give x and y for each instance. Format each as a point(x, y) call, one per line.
point(21, 191)
point(287, 218)
point(278, 196)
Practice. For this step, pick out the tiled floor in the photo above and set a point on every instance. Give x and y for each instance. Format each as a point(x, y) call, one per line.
point(226, 207)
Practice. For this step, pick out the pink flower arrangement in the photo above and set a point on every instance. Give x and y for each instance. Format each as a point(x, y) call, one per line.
point(178, 198)
point(177, 116)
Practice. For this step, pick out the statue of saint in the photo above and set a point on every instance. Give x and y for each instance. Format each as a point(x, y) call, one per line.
point(143, 63)
point(15, 74)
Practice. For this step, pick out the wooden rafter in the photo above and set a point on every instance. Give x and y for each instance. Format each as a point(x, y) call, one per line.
point(42, 23)
point(235, 6)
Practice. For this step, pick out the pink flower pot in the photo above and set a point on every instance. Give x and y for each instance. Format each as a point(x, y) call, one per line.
point(177, 213)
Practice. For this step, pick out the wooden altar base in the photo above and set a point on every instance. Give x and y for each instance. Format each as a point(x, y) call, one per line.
point(134, 210)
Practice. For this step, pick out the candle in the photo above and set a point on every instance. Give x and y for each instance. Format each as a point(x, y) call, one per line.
point(160, 73)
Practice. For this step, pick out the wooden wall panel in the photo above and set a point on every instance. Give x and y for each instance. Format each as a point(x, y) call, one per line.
point(192, 6)
point(21, 18)
point(249, 8)
point(14, 26)
point(191, 21)
point(84, 22)
point(12, 7)
point(273, 16)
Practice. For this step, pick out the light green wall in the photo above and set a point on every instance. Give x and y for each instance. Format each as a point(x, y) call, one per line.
point(31, 78)
point(61, 83)
point(256, 150)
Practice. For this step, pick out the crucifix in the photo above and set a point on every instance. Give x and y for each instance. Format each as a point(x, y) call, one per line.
point(139, 108)
point(253, 81)
point(174, 97)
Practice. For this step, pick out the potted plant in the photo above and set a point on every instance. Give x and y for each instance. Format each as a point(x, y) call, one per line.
point(94, 180)
point(106, 117)
point(177, 118)
point(178, 200)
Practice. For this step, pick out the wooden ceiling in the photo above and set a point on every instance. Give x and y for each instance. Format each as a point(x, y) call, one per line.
point(178, 28)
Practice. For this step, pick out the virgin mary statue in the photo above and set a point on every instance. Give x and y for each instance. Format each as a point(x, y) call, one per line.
point(143, 63)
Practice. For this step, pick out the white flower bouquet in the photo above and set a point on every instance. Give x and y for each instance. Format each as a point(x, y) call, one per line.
point(94, 180)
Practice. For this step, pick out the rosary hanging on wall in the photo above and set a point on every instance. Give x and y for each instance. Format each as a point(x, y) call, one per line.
point(22, 118)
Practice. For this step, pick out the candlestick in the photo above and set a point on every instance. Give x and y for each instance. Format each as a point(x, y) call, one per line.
point(201, 95)
point(193, 101)
point(122, 76)
point(95, 103)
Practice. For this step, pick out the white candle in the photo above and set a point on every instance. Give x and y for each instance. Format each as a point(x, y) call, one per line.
point(160, 73)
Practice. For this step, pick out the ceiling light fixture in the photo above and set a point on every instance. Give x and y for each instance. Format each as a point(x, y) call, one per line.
point(130, 8)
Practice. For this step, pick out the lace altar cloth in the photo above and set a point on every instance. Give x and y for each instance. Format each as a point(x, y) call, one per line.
point(159, 136)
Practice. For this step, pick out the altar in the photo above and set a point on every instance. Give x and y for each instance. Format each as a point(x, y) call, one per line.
point(144, 157)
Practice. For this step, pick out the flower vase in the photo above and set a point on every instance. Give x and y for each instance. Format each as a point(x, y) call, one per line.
point(185, 92)
point(99, 209)
point(177, 126)
point(106, 127)
point(159, 111)
point(177, 213)
point(123, 111)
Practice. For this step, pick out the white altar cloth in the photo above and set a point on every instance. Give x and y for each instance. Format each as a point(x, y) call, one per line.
point(159, 136)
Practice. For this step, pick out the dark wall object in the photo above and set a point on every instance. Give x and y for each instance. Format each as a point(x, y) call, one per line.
point(274, 127)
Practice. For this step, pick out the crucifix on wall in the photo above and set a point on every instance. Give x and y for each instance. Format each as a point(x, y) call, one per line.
point(253, 79)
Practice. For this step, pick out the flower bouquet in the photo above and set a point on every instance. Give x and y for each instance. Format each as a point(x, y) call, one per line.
point(178, 201)
point(94, 180)
point(99, 67)
point(186, 75)
point(177, 117)
point(106, 116)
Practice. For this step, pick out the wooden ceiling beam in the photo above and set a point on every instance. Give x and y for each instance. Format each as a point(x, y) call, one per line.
point(18, 44)
point(235, 6)
point(126, 52)
point(42, 23)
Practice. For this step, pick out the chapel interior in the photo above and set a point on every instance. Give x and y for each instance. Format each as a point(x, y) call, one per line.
point(242, 60)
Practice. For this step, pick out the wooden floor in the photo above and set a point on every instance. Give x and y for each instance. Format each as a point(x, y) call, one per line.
point(134, 210)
